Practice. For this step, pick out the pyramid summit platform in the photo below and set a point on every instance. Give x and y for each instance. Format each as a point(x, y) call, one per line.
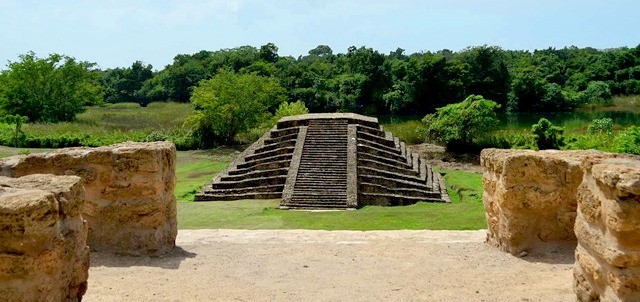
point(328, 161)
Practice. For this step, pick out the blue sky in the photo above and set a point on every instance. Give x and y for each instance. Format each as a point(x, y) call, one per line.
point(115, 33)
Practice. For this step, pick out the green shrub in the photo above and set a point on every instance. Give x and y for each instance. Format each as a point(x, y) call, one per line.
point(628, 141)
point(601, 126)
point(156, 137)
point(602, 142)
point(507, 139)
point(289, 109)
point(547, 136)
point(457, 125)
point(231, 103)
point(14, 135)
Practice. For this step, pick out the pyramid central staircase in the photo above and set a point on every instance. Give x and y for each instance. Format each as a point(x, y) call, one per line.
point(321, 180)
point(328, 161)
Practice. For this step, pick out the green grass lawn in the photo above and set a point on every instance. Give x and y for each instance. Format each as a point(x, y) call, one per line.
point(464, 213)
point(195, 168)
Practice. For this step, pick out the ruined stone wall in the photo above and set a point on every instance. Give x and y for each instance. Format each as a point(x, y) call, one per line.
point(43, 250)
point(130, 205)
point(607, 227)
point(530, 196)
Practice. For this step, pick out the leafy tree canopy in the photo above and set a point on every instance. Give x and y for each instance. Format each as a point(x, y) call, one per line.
point(458, 124)
point(49, 89)
point(230, 103)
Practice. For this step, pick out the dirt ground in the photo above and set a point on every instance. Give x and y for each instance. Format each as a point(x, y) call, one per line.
point(302, 265)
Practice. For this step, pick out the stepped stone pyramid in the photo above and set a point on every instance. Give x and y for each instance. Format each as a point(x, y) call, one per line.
point(328, 161)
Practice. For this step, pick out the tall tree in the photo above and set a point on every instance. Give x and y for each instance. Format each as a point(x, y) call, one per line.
point(230, 103)
point(488, 73)
point(125, 84)
point(49, 89)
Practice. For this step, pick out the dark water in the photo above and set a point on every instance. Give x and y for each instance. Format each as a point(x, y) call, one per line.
point(577, 119)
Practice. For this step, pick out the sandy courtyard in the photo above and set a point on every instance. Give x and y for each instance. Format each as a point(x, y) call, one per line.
point(296, 265)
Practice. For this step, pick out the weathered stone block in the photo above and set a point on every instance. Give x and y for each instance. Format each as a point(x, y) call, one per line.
point(43, 250)
point(607, 264)
point(130, 205)
point(530, 196)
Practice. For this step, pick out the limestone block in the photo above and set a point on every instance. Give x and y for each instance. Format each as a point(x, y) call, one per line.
point(130, 205)
point(43, 249)
point(530, 196)
point(607, 264)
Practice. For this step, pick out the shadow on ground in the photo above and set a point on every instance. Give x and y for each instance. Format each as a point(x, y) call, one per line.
point(169, 261)
point(552, 253)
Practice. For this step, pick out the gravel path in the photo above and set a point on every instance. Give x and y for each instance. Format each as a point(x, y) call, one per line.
point(301, 265)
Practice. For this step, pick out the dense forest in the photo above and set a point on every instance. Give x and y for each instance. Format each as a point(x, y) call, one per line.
point(245, 89)
point(361, 80)
point(366, 81)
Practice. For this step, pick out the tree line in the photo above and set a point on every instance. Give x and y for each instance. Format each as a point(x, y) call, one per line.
point(362, 80)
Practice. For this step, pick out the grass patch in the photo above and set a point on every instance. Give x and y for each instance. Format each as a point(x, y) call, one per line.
point(466, 212)
point(626, 101)
point(113, 123)
point(407, 131)
point(195, 168)
point(9, 151)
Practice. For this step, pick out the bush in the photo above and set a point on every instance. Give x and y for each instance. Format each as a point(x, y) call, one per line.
point(601, 126)
point(507, 139)
point(289, 109)
point(15, 136)
point(285, 109)
point(547, 135)
point(457, 125)
point(231, 103)
point(628, 141)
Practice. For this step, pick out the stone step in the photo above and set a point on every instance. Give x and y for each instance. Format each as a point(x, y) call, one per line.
point(256, 174)
point(284, 132)
point(277, 145)
point(373, 157)
point(315, 207)
point(320, 165)
point(384, 199)
point(386, 148)
point(312, 183)
point(261, 167)
point(266, 160)
point(320, 194)
point(319, 201)
point(302, 175)
point(269, 153)
point(391, 175)
point(374, 188)
point(327, 153)
point(389, 182)
point(379, 140)
point(225, 197)
point(252, 182)
point(362, 162)
point(370, 130)
point(243, 190)
point(273, 140)
point(380, 152)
